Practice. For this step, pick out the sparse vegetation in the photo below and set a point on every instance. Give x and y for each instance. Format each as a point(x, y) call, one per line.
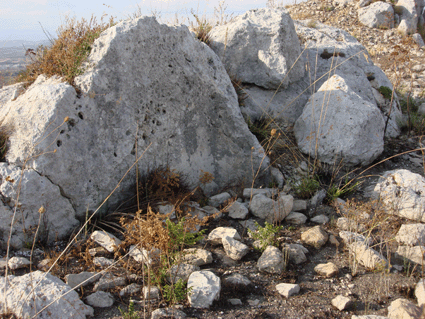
point(67, 53)
point(266, 235)
point(307, 186)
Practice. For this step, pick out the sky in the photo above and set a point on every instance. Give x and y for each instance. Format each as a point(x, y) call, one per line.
point(26, 19)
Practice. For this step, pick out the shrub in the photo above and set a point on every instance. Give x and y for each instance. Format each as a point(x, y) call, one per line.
point(67, 53)
point(386, 92)
point(307, 186)
point(266, 235)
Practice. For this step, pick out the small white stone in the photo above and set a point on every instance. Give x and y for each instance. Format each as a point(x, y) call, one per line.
point(341, 303)
point(153, 293)
point(100, 299)
point(18, 262)
point(288, 290)
point(106, 240)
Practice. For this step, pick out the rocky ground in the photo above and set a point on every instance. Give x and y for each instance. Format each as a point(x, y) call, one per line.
point(370, 290)
point(402, 60)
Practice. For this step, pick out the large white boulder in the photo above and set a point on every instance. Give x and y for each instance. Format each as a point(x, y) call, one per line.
point(260, 47)
point(148, 89)
point(337, 124)
point(325, 50)
point(29, 294)
point(402, 193)
point(378, 15)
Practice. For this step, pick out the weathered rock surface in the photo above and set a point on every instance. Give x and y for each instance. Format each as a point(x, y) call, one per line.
point(402, 193)
point(337, 124)
point(315, 237)
point(271, 261)
point(260, 47)
point(100, 299)
point(288, 290)
point(25, 303)
point(37, 196)
point(189, 124)
point(378, 15)
point(204, 288)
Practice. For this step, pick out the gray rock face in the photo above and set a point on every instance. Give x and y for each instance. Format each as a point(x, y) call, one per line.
point(271, 261)
point(37, 194)
point(351, 62)
point(403, 308)
point(179, 106)
point(408, 16)
point(337, 124)
point(402, 193)
point(82, 279)
point(315, 237)
point(269, 209)
point(414, 254)
point(378, 15)
point(234, 248)
point(24, 303)
point(238, 211)
point(197, 256)
point(411, 234)
point(219, 233)
point(100, 299)
point(204, 288)
point(260, 47)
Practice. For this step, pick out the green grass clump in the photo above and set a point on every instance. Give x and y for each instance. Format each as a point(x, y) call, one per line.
point(67, 53)
point(307, 186)
point(386, 92)
point(266, 235)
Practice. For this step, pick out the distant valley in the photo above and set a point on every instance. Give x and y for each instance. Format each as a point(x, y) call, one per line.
point(13, 59)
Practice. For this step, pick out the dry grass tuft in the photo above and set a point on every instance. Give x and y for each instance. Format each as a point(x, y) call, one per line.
point(67, 53)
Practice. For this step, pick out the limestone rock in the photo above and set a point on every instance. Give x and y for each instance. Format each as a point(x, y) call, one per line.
point(181, 271)
point(315, 237)
point(219, 199)
point(378, 15)
point(367, 257)
point(219, 233)
point(296, 218)
point(204, 288)
point(328, 270)
point(403, 308)
point(103, 262)
point(143, 256)
point(82, 279)
point(349, 128)
point(238, 211)
point(38, 194)
point(183, 123)
point(414, 254)
point(197, 256)
point(237, 281)
point(106, 240)
point(271, 261)
point(23, 302)
point(130, 290)
point(151, 293)
point(168, 313)
point(269, 209)
point(100, 299)
point(320, 219)
point(408, 16)
point(411, 234)
point(402, 193)
point(259, 47)
point(420, 292)
point(341, 302)
point(18, 262)
point(109, 281)
point(288, 290)
point(234, 249)
point(297, 253)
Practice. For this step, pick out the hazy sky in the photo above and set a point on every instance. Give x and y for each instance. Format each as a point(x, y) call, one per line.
point(22, 19)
